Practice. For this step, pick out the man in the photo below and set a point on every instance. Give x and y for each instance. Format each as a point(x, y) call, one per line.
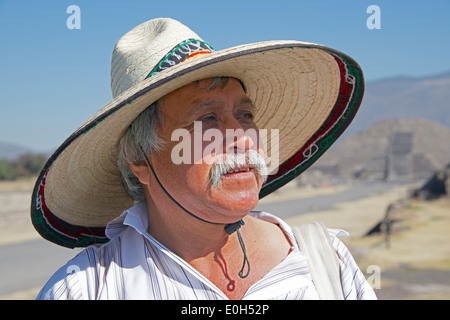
point(181, 225)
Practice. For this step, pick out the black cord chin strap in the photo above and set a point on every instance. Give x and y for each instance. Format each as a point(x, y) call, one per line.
point(241, 272)
point(229, 228)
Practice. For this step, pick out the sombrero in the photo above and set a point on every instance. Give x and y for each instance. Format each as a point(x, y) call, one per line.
point(309, 92)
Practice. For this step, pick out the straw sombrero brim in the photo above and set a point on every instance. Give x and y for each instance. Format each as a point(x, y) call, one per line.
point(310, 93)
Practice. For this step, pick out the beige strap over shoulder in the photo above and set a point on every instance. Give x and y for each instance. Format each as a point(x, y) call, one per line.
point(314, 240)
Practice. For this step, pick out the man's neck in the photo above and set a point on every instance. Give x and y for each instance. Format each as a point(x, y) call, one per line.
point(186, 236)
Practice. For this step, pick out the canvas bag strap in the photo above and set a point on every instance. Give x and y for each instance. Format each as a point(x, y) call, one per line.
point(314, 240)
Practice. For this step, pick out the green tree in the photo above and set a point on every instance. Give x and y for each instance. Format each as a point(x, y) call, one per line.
point(6, 170)
point(26, 165)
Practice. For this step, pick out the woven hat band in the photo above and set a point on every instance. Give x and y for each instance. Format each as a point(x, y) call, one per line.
point(186, 50)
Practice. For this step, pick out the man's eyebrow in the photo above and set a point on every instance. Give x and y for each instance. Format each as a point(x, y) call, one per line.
point(201, 105)
point(246, 100)
point(211, 103)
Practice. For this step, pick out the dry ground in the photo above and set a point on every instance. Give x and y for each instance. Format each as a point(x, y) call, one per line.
point(415, 262)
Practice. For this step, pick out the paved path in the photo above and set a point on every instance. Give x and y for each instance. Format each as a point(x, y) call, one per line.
point(294, 207)
point(30, 264)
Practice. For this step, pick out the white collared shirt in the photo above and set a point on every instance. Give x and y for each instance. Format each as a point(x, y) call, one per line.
point(134, 265)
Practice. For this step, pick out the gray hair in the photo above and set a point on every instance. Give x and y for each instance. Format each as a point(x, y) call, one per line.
point(143, 132)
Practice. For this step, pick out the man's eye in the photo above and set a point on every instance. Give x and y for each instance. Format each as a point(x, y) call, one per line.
point(247, 115)
point(208, 118)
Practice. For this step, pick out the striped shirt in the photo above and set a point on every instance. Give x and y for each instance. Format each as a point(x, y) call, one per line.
point(134, 265)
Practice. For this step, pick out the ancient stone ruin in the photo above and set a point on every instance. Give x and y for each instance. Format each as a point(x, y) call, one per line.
point(397, 150)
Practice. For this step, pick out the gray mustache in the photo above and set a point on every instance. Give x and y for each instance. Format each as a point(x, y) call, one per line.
point(236, 162)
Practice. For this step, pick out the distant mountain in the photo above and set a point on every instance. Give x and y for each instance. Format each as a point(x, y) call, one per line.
point(11, 151)
point(400, 97)
point(397, 150)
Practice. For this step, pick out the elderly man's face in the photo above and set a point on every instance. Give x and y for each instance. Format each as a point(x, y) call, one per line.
point(220, 109)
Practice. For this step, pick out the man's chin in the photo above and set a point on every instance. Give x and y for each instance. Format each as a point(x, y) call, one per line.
point(236, 203)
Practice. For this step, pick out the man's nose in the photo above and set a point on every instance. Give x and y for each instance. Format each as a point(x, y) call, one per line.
point(239, 139)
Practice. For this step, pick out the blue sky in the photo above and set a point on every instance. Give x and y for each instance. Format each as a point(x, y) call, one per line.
point(53, 78)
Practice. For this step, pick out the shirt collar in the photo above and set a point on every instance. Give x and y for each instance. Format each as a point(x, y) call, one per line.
point(135, 217)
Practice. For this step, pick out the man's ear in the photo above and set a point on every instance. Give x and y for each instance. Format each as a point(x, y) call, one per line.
point(141, 171)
